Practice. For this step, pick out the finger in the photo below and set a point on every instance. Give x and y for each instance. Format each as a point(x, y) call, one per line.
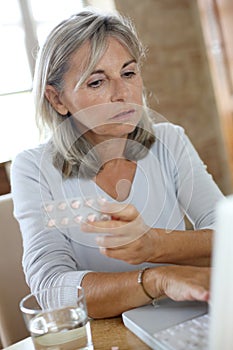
point(114, 241)
point(113, 228)
point(201, 294)
point(115, 233)
point(124, 212)
point(103, 226)
point(120, 254)
point(118, 233)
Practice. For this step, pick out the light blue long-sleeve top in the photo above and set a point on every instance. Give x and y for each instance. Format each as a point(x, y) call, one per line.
point(169, 182)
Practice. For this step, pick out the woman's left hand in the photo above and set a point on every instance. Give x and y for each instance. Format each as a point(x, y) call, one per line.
point(125, 237)
point(184, 282)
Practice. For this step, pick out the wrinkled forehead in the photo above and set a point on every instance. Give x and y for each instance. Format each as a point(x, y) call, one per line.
point(86, 58)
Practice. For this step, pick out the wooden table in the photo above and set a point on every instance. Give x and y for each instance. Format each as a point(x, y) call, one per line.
point(106, 334)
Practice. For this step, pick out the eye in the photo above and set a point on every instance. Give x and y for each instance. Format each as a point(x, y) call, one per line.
point(95, 83)
point(129, 74)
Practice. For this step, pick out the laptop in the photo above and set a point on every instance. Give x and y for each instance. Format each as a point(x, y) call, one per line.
point(149, 323)
point(197, 325)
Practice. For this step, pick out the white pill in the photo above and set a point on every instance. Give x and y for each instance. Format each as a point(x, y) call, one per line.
point(49, 208)
point(78, 219)
point(51, 223)
point(91, 217)
point(64, 221)
point(62, 206)
point(75, 204)
point(104, 217)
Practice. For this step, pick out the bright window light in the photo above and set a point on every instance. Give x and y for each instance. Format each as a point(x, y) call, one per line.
point(55, 12)
point(14, 69)
point(18, 130)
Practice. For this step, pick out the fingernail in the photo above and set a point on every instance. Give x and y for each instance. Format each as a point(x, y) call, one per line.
point(103, 250)
point(99, 240)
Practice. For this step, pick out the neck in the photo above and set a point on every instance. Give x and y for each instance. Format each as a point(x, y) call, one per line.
point(110, 148)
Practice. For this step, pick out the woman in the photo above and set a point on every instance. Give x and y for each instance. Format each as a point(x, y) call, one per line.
point(89, 93)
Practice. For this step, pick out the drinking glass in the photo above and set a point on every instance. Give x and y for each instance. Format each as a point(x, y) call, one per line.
point(57, 319)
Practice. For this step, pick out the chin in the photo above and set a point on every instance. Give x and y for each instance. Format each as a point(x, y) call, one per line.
point(115, 129)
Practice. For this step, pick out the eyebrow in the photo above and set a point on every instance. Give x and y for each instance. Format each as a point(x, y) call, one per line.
point(99, 71)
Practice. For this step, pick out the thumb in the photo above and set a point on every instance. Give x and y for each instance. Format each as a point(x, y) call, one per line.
point(119, 211)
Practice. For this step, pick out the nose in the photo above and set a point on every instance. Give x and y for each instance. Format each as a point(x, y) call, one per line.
point(119, 90)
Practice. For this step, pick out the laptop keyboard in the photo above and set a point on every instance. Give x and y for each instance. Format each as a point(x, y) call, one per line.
point(188, 335)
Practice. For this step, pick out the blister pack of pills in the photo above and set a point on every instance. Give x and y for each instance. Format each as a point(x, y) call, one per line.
point(73, 211)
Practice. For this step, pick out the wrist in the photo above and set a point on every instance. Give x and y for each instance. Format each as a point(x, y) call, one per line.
point(141, 276)
point(156, 242)
point(153, 281)
point(162, 280)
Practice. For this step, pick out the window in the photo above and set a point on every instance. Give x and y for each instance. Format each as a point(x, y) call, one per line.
point(23, 23)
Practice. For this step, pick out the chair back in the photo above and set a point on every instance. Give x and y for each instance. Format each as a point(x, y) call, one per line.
point(12, 282)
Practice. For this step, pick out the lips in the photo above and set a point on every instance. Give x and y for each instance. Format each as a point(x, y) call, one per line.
point(123, 114)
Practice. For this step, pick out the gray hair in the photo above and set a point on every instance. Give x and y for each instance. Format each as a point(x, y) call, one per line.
point(72, 153)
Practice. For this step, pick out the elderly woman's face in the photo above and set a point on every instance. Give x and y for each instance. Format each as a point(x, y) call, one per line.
point(111, 96)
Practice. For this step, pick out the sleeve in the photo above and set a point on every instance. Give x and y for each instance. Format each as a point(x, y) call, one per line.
point(196, 190)
point(47, 258)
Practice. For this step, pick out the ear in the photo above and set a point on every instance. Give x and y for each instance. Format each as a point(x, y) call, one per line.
point(53, 97)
